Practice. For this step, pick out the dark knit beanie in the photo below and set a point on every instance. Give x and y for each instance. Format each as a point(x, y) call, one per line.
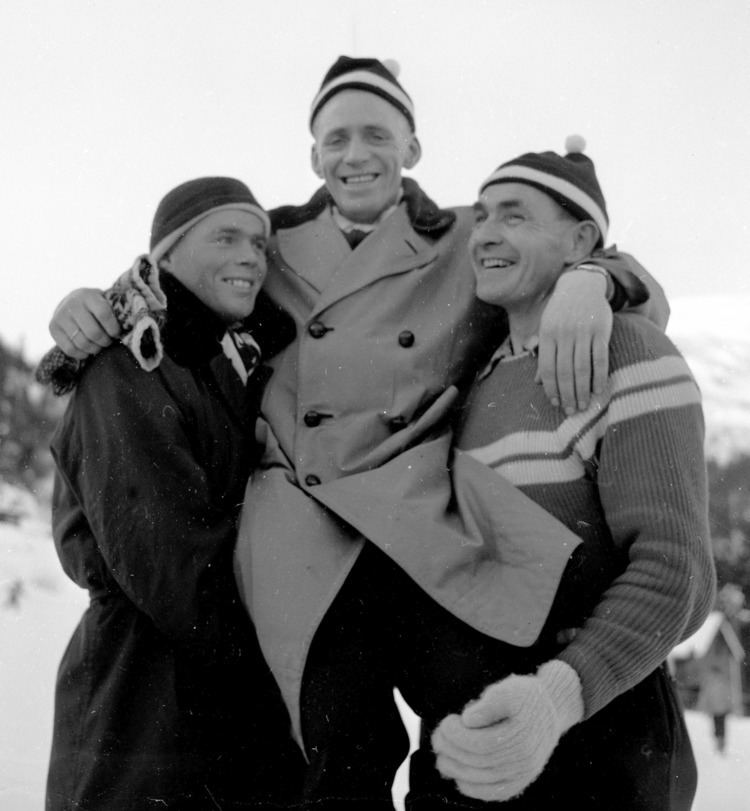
point(371, 75)
point(570, 181)
point(190, 202)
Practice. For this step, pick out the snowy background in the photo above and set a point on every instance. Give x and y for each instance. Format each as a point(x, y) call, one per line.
point(35, 629)
point(39, 607)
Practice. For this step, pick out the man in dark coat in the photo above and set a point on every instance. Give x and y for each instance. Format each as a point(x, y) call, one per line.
point(163, 698)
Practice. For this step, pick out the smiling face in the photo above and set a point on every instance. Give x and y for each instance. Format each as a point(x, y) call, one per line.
point(361, 145)
point(521, 242)
point(222, 261)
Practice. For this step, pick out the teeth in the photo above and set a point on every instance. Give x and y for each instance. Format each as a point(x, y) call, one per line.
point(359, 178)
point(493, 262)
point(243, 283)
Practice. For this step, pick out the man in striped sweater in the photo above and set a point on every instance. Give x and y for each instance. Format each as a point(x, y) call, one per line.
point(587, 717)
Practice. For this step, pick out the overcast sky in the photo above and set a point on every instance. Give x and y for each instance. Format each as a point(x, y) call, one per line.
point(105, 105)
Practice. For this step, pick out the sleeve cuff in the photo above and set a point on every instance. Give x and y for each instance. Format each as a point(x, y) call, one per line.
point(564, 689)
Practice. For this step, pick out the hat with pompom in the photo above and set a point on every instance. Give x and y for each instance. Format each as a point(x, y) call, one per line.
point(193, 200)
point(371, 75)
point(570, 180)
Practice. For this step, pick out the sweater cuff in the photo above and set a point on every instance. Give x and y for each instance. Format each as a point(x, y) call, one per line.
point(564, 689)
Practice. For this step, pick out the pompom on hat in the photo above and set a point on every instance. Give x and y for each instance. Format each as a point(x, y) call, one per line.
point(193, 200)
point(370, 75)
point(570, 180)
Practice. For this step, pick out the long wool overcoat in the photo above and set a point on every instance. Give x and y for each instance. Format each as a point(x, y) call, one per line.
point(356, 413)
point(162, 697)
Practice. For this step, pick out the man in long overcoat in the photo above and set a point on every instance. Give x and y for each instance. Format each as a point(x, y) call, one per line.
point(163, 699)
point(378, 280)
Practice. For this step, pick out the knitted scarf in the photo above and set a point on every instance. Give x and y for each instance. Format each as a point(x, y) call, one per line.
point(139, 304)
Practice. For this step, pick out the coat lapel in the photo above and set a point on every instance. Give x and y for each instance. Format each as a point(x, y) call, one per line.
point(334, 271)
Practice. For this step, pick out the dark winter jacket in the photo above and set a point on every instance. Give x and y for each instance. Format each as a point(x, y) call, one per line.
point(163, 699)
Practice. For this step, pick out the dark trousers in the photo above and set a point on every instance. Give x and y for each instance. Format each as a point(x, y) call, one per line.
point(383, 631)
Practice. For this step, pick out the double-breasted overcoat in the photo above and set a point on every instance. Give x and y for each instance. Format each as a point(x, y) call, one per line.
point(357, 443)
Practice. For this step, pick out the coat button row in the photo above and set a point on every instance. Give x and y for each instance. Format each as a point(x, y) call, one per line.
point(406, 338)
point(311, 480)
point(318, 329)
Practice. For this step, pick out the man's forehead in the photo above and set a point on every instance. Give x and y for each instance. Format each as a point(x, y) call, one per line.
point(232, 220)
point(511, 195)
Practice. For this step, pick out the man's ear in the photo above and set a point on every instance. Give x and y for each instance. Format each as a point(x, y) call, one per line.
point(413, 153)
point(315, 161)
point(584, 237)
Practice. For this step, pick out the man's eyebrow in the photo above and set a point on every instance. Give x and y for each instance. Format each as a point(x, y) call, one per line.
point(334, 133)
point(377, 128)
point(506, 204)
point(226, 229)
point(479, 207)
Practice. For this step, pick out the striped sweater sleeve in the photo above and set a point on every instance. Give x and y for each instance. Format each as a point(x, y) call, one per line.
point(652, 485)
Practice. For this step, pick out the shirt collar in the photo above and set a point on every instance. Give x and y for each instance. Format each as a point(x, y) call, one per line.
point(346, 225)
point(506, 351)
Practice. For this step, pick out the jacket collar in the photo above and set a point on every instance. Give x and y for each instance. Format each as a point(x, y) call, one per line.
point(192, 332)
point(424, 215)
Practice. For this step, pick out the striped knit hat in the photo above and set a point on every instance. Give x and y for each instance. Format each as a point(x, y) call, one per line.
point(570, 181)
point(371, 75)
point(190, 202)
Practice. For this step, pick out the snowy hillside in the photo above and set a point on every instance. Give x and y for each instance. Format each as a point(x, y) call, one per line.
point(713, 333)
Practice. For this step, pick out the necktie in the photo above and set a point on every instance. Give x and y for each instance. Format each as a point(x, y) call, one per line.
point(355, 236)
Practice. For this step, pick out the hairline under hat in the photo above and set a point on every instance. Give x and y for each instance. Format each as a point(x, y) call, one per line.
point(546, 181)
point(163, 246)
point(366, 81)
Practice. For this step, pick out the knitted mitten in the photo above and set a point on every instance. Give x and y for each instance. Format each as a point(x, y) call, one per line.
point(138, 303)
point(501, 743)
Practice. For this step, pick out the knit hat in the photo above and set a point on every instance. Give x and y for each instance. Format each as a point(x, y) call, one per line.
point(570, 181)
point(190, 202)
point(371, 75)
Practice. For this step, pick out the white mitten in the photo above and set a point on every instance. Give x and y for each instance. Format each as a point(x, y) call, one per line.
point(501, 743)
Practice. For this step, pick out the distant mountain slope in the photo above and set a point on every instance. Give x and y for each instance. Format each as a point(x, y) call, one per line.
point(713, 333)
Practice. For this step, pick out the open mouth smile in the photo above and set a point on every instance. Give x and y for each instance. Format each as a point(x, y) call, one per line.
point(241, 284)
point(354, 180)
point(495, 262)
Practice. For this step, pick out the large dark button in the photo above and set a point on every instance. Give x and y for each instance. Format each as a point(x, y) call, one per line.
point(311, 480)
point(397, 423)
point(312, 418)
point(318, 329)
point(406, 338)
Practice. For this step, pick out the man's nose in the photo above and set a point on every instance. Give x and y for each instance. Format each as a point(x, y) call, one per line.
point(356, 151)
point(489, 233)
point(252, 256)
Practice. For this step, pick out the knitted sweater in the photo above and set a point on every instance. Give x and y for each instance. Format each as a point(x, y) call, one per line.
point(627, 476)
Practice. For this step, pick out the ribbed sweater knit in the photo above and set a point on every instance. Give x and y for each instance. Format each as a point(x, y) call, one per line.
point(628, 476)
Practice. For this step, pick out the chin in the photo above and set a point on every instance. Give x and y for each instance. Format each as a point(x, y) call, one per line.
point(488, 296)
point(238, 313)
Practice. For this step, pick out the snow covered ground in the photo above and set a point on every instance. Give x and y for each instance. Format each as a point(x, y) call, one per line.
point(38, 610)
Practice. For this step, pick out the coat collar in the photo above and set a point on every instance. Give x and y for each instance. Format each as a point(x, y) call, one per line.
point(317, 253)
point(192, 333)
point(192, 338)
point(424, 215)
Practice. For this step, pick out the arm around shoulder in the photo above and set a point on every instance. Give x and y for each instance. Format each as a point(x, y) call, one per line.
point(636, 290)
